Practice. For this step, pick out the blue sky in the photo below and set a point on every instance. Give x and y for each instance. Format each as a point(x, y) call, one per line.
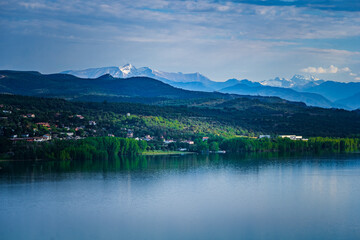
point(256, 39)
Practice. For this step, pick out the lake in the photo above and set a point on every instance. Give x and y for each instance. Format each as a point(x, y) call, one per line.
point(183, 197)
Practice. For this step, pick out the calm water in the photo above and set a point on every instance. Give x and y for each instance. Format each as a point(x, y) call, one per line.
point(183, 197)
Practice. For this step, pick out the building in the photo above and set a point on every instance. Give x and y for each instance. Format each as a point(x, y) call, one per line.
point(205, 138)
point(92, 123)
point(292, 137)
point(148, 138)
point(188, 142)
point(264, 136)
point(47, 137)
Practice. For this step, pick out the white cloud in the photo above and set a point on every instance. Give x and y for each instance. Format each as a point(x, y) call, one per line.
point(321, 70)
point(330, 70)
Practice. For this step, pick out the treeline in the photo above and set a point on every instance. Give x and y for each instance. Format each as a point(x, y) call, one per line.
point(316, 145)
point(99, 148)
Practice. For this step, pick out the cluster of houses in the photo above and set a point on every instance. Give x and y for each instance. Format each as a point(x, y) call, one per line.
point(25, 137)
point(292, 137)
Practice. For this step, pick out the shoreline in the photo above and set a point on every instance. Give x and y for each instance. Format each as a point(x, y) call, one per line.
point(154, 153)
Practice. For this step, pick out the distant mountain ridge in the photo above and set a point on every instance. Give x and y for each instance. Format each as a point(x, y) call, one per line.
point(308, 89)
point(198, 82)
point(297, 82)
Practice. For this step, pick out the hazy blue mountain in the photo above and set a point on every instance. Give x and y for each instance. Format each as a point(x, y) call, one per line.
point(69, 86)
point(310, 99)
point(335, 91)
point(188, 81)
point(352, 102)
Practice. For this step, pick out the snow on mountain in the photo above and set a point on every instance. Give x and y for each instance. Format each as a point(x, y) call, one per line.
point(129, 70)
point(278, 82)
point(297, 82)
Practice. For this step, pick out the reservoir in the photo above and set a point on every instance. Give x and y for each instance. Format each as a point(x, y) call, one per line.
point(258, 196)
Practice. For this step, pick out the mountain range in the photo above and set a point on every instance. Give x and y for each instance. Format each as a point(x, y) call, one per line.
point(310, 90)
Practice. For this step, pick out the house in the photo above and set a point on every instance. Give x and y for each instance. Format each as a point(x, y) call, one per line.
point(92, 123)
point(111, 135)
point(46, 137)
point(7, 111)
point(188, 142)
point(264, 136)
point(80, 116)
point(128, 114)
point(168, 141)
point(148, 138)
point(129, 134)
point(205, 138)
point(30, 115)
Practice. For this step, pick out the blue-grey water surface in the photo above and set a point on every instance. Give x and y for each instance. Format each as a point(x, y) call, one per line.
point(183, 197)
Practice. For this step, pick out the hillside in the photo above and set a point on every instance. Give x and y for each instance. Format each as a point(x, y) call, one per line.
point(102, 88)
point(335, 91)
point(311, 99)
point(352, 101)
point(190, 118)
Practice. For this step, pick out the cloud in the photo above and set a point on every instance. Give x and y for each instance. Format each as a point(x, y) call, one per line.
point(321, 70)
point(330, 70)
point(339, 52)
point(280, 37)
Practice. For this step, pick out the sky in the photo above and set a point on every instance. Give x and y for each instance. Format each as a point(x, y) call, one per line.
point(256, 40)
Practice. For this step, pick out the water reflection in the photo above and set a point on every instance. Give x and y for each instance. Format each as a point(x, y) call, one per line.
point(256, 196)
point(36, 170)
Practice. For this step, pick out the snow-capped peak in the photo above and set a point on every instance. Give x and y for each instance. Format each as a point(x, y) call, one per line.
point(296, 81)
point(278, 82)
point(127, 69)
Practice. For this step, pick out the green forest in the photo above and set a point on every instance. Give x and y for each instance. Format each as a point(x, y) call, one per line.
point(103, 130)
point(92, 148)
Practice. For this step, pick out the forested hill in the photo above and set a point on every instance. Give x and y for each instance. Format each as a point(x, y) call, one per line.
point(103, 88)
point(191, 118)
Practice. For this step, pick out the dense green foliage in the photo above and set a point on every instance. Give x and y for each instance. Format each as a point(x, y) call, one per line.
point(222, 121)
point(182, 119)
point(100, 148)
point(317, 144)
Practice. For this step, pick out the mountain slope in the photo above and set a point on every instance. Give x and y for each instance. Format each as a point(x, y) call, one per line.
point(335, 90)
point(310, 99)
point(71, 87)
point(129, 70)
point(353, 102)
point(198, 82)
